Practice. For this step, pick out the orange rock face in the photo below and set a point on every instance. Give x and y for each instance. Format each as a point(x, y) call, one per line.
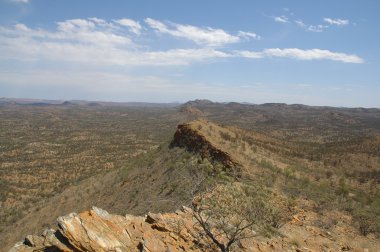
point(97, 230)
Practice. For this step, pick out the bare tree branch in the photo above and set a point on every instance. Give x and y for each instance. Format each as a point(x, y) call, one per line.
point(228, 213)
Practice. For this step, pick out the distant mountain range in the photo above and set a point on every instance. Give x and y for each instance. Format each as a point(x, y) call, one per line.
point(43, 102)
point(195, 103)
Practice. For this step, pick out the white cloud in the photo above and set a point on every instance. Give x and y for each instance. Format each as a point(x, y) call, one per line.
point(202, 36)
point(249, 54)
point(300, 23)
point(133, 25)
point(92, 31)
point(179, 56)
point(103, 23)
point(313, 54)
point(281, 19)
point(317, 28)
point(249, 35)
point(312, 28)
point(157, 25)
point(321, 27)
point(73, 25)
point(85, 41)
point(20, 1)
point(21, 27)
point(300, 54)
point(96, 42)
point(338, 22)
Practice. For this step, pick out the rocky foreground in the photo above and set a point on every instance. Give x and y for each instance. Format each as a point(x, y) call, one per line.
point(97, 230)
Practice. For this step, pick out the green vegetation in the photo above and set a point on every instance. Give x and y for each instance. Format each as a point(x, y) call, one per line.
point(368, 218)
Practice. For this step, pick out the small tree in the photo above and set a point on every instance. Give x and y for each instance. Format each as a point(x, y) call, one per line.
point(231, 213)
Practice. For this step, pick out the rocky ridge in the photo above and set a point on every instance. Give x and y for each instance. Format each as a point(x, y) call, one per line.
point(190, 137)
point(97, 230)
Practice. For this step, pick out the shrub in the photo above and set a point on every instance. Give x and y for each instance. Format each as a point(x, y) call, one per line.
point(368, 218)
point(226, 136)
point(234, 212)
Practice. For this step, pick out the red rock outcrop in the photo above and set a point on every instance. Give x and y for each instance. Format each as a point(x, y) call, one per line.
point(97, 230)
point(190, 138)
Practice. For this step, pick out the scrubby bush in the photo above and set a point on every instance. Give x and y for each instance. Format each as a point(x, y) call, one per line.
point(368, 218)
point(226, 136)
point(233, 212)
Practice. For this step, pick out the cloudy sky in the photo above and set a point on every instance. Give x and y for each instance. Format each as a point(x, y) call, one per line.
point(310, 52)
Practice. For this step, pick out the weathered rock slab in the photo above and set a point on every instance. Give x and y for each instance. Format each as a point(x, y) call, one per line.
point(97, 230)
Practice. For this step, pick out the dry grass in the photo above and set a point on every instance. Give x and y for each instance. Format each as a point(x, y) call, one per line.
point(75, 157)
point(47, 149)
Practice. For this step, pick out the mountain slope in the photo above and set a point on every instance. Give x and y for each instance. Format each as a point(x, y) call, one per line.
point(161, 180)
point(203, 154)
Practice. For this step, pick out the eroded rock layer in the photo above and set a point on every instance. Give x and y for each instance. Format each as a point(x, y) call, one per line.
point(97, 230)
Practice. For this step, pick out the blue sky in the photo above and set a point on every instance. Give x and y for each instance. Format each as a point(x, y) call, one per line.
point(309, 52)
